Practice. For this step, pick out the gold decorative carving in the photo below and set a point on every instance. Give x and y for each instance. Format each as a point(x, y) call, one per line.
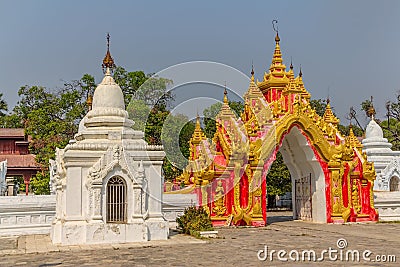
point(219, 200)
point(354, 197)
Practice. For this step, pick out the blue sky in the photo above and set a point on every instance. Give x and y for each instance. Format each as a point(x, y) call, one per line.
point(350, 47)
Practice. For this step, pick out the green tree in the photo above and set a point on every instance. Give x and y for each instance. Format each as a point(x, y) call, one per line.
point(139, 112)
point(211, 113)
point(391, 131)
point(8, 120)
point(391, 125)
point(3, 106)
point(176, 133)
point(139, 86)
point(345, 130)
point(51, 118)
point(154, 92)
point(148, 107)
point(278, 178)
point(365, 105)
point(129, 81)
point(11, 121)
point(40, 183)
point(319, 105)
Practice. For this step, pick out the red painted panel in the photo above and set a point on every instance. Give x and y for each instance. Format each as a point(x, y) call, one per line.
point(244, 191)
point(264, 197)
point(345, 192)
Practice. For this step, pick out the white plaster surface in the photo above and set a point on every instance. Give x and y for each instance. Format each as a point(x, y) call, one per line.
point(23, 215)
point(174, 205)
point(388, 205)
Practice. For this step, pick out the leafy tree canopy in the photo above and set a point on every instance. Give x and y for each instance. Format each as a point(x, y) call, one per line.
point(319, 105)
point(278, 178)
point(3, 106)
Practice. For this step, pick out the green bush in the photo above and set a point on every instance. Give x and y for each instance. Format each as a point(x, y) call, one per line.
point(40, 183)
point(194, 220)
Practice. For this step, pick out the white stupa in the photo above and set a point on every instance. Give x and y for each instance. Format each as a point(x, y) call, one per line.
point(108, 179)
point(378, 149)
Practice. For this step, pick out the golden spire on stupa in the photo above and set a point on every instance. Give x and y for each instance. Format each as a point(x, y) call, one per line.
point(328, 115)
point(371, 110)
point(108, 62)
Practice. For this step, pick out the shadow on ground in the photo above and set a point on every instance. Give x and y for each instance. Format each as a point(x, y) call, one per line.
point(279, 216)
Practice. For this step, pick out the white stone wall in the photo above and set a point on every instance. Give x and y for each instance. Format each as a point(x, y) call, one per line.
point(388, 205)
point(23, 215)
point(174, 205)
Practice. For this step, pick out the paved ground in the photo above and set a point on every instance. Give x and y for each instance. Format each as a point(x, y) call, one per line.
point(235, 247)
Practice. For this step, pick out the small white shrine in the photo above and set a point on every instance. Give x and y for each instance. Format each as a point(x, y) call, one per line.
point(387, 167)
point(107, 180)
point(386, 161)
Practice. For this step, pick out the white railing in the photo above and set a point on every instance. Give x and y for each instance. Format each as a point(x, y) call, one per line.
point(21, 215)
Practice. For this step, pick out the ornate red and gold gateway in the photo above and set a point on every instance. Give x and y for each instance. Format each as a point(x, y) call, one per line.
point(332, 180)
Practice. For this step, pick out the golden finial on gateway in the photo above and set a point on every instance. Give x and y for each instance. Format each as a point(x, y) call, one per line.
point(275, 27)
point(198, 134)
point(329, 117)
point(353, 140)
point(252, 72)
point(225, 95)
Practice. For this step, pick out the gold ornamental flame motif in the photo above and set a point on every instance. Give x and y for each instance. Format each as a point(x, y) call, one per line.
point(108, 61)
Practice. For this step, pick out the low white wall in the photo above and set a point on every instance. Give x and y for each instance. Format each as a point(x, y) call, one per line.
point(175, 204)
point(25, 215)
point(21, 215)
point(388, 205)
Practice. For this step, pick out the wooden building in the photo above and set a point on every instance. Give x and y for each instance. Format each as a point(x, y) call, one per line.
point(14, 147)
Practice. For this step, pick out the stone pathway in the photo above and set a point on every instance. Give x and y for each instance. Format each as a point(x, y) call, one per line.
point(234, 247)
